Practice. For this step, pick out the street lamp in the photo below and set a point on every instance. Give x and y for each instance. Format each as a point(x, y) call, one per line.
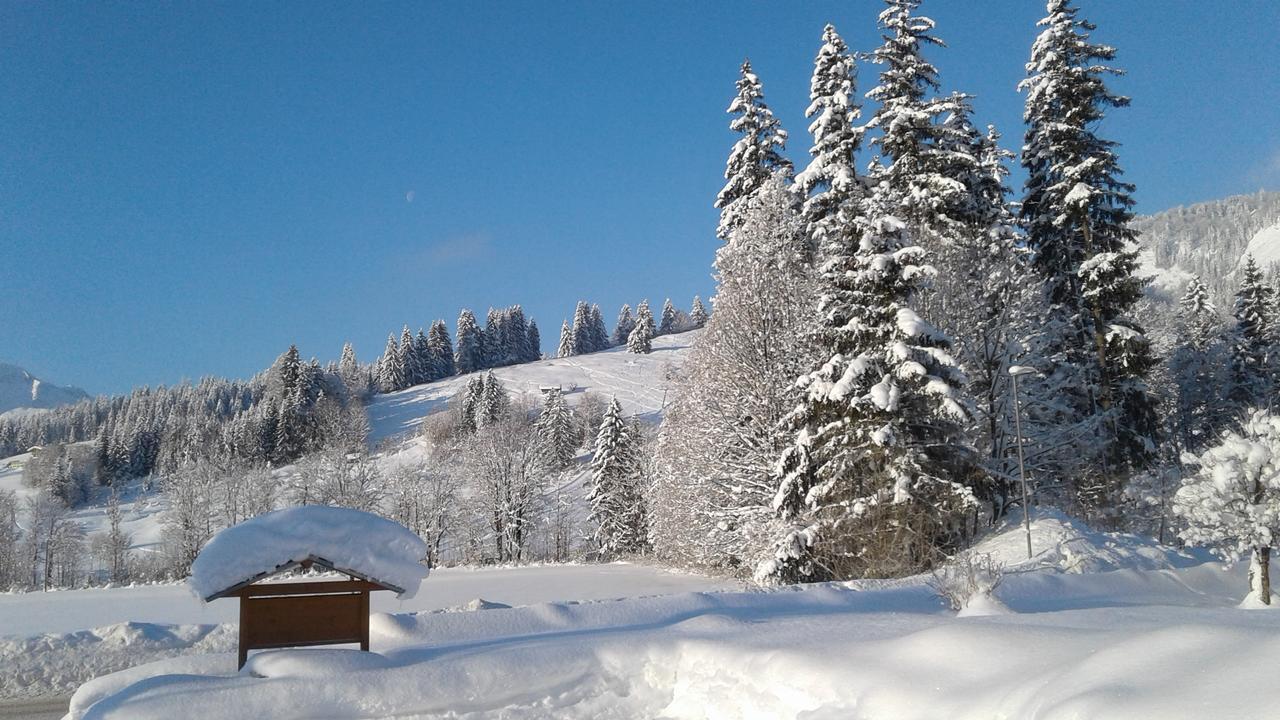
point(1014, 372)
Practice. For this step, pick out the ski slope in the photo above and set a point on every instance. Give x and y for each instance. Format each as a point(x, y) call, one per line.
point(1164, 642)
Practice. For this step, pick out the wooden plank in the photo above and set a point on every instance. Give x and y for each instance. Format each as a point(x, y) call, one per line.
point(298, 619)
point(308, 588)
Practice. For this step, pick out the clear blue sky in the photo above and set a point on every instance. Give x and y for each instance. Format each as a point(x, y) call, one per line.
point(187, 188)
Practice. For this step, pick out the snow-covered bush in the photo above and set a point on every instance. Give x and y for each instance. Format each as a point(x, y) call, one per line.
point(969, 579)
point(1232, 503)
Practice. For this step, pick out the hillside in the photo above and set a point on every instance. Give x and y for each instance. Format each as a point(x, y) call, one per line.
point(1208, 239)
point(20, 389)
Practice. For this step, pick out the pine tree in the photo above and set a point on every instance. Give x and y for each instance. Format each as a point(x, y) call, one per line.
point(614, 492)
point(641, 338)
point(407, 358)
point(493, 401)
point(1196, 366)
point(1253, 344)
point(515, 336)
point(830, 184)
point(755, 156)
point(670, 320)
point(533, 343)
point(623, 327)
point(869, 487)
point(599, 333)
point(469, 356)
point(582, 336)
point(440, 348)
point(557, 430)
point(565, 348)
point(697, 313)
point(1076, 214)
point(390, 372)
point(349, 370)
point(492, 339)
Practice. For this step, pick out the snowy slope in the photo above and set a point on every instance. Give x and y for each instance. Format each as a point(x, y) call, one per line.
point(638, 381)
point(1130, 643)
point(21, 389)
point(1265, 246)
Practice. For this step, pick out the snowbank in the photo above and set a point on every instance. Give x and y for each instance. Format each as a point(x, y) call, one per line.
point(348, 540)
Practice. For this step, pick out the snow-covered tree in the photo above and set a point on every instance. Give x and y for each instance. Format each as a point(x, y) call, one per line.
point(349, 370)
point(670, 321)
point(697, 313)
point(440, 348)
point(870, 485)
point(1253, 343)
point(641, 338)
point(721, 433)
point(469, 356)
point(557, 430)
point(623, 327)
point(756, 156)
point(583, 340)
point(1076, 213)
point(1232, 502)
point(614, 492)
point(598, 332)
point(533, 343)
point(390, 371)
point(407, 359)
point(830, 184)
point(566, 347)
point(1197, 367)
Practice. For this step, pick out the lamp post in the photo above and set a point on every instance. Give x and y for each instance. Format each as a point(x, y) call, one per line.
point(1014, 372)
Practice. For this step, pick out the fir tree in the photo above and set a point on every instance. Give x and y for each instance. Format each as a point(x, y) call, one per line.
point(869, 487)
point(1253, 344)
point(533, 343)
point(623, 327)
point(697, 313)
point(670, 319)
point(390, 371)
point(515, 336)
point(755, 156)
point(493, 401)
point(492, 339)
point(557, 430)
point(469, 356)
point(830, 184)
point(641, 338)
point(1196, 366)
point(353, 377)
point(440, 351)
point(599, 333)
point(407, 359)
point(614, 492)
point(565, 348)
point(583, 342)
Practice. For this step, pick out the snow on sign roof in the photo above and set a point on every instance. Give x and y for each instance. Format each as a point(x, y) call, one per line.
point(358, 543)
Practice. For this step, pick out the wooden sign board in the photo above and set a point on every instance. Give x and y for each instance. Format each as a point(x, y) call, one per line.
point(301, 614)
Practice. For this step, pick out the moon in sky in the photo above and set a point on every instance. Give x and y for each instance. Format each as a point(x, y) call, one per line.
point(408, 197)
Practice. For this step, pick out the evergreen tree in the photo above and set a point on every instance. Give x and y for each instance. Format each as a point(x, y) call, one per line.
point(565, 348)
point(1253, 344)
point(557, 430)
point(830, 184)
point(423, 362)
point(515, 336)
point(353, 377)
point(1076, 214)
point(697, 313)
point(533, 343)
point(869, 487)
point(614, 492)
point(407, 358)
point(493, 339)
point(1196, 366)
point(670, 319)
point(493, 401)
point(623, 327)
point(469, 356)
point(641, 338)
point(390, 371)
point(583, 342)
point(755, 156)
point(599, 333)
point(440, 349)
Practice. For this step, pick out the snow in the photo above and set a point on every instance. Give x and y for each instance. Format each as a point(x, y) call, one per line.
point(1264, 246)
point(20, 390)
point(637, 380)
point(372, 547)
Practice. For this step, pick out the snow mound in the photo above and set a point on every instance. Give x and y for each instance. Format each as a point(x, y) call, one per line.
point(351, 541)
point(1064, 543)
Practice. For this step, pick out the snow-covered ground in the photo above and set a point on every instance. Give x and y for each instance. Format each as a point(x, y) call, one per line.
point(1158, 634)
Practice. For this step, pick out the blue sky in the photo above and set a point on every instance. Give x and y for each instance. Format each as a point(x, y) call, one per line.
point(187, 188)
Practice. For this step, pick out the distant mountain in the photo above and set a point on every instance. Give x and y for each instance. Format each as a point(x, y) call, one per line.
point(21, 389)
point(1209, 239)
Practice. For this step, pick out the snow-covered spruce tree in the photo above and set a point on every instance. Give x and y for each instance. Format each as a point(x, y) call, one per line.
point(614, 492)
point(582, 338)
point(533, 343)
point(566, 347)
point(868, 488)
point(641, 338)
point(697, 314)
point(1253, 342)
point(623, 327)
point(407, 358)
point(599, 333)
point(390, 371)
point(492, 338)
point(830, 184)
point(1233, 502)
point(557, 430)
point(756, 156)
point(515, 336)
point(441, 351)
point(469, 356)
point(351, 374)
point(721, 434)
point(1196, 367)
point(492, 403)
point(670, 319)
point(1076, 212)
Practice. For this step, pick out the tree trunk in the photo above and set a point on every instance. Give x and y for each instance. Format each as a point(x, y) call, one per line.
point(1260, 574)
